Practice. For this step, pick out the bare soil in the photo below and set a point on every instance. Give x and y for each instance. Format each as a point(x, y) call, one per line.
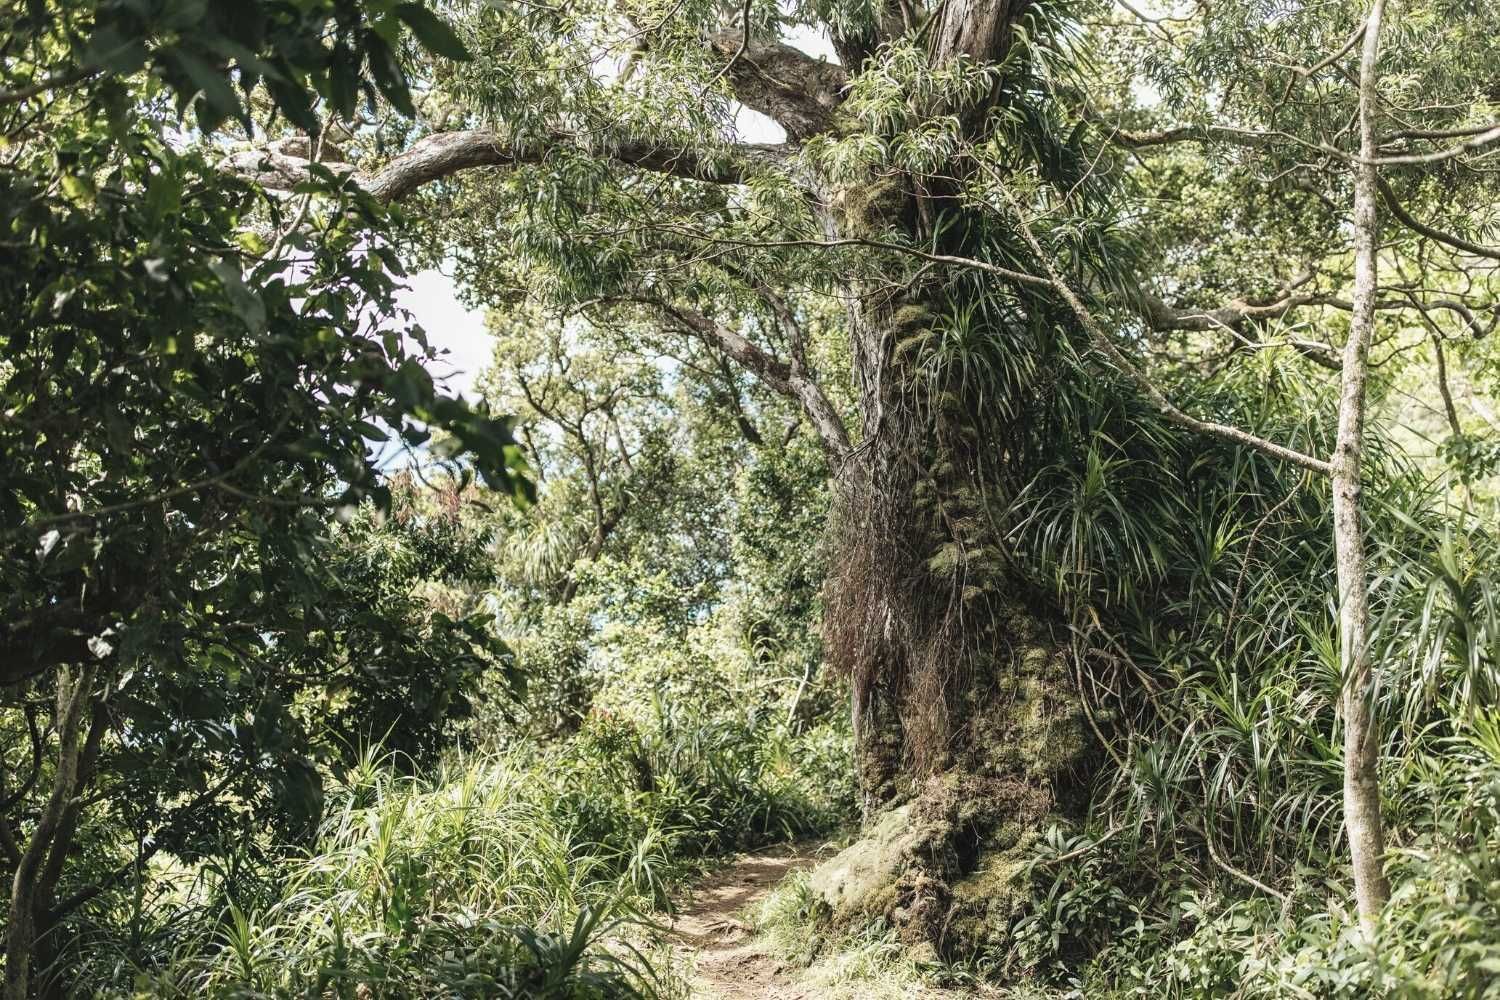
point(731, 964)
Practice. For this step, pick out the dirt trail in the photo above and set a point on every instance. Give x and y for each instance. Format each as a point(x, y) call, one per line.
point(729, 961)
point(731, 964)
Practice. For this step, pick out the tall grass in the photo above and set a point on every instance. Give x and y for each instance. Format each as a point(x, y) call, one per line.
point(501, 875)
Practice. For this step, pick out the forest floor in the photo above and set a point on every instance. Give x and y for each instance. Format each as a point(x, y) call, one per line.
point(728, 961)
point(713, 937)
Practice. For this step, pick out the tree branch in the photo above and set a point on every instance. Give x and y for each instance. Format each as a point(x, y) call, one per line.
point(1128, 368)
point(775, 373)
point(443, 154)
point(1411, 222)
point(1437, 156)
point(1449, 409)
point(782, 82)
point(1189, 133)
point(1164, 318)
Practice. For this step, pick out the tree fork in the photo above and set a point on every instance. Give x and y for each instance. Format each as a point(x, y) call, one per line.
point(73, 693)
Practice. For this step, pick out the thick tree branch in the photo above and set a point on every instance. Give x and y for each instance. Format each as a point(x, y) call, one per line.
point(1162, 317)
point(782, 82)
point(1362, 811)
point(60, 633)
point(825, 418)
point(1189, 133)
point(74, 689)
point(1411, 222)
point(443, 154)
point(980, 30)
point(775, 373)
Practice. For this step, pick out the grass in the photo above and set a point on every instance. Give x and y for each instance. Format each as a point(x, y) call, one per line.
point(502, 875)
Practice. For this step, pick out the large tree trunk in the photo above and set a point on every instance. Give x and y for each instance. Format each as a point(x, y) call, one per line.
point(970, 734)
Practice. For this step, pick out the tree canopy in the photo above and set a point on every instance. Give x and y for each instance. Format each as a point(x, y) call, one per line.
point(1068, 421)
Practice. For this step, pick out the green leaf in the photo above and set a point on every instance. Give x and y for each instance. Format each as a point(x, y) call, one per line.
point(218, 99)
point(79, 190)
point(110, 50)
point(294, 101)
point(343, 84)
point(246, 304)
point(163, 196)
point(435, 35)
point(388, 75)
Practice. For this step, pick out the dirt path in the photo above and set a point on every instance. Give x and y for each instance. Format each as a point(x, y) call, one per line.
point(730, 964)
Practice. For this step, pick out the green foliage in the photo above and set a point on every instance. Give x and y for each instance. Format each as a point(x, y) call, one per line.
point(423, 885)
point(232, 741)
point(189, 406)
point(1236, 797)
point(215, 56)
point(1437, 938)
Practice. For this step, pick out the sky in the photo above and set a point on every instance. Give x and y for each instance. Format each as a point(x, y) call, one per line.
point(432, 297)
point(451, 326)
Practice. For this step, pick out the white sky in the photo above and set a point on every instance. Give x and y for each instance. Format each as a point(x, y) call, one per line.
point(451, 326)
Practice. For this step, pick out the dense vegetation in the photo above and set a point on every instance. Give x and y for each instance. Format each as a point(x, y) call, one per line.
point(1045, 447)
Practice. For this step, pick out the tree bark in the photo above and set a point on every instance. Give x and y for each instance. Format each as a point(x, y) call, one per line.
point(280, 167)
point(951, 673)
point(73, 695)
point(1362, 813)
point(46, 946)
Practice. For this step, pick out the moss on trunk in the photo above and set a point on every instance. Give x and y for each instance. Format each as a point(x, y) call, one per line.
point(946, 864)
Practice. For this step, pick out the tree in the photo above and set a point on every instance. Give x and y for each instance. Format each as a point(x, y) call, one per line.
point(1361, 737)
point(896, 530)
point(957, 181)
point(188, 405)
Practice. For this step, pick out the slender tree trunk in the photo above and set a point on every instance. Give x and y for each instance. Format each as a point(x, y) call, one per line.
point(73, 694)
point(46, 946)
point(1362, 817)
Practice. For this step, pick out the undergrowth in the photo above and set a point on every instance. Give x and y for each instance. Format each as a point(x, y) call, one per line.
point(863, 962)
point(1212, 862)
point(514, 874)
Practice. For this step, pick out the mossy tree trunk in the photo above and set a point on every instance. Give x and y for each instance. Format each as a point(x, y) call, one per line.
point(942, 647)
point(971, 738)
